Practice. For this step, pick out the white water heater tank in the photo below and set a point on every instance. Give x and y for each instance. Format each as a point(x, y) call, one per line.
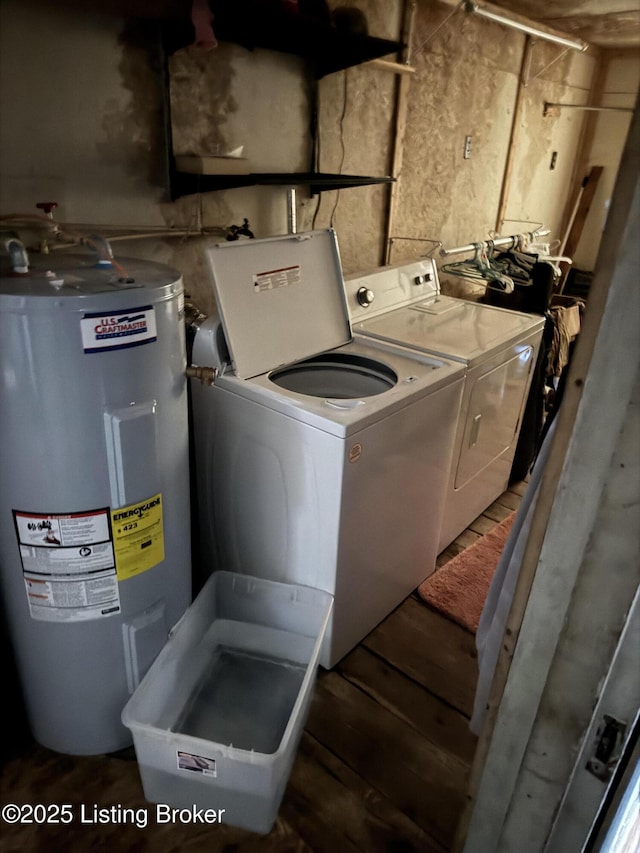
point(95, 552)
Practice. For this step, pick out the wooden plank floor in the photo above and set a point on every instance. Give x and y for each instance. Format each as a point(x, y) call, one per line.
point(383, 763)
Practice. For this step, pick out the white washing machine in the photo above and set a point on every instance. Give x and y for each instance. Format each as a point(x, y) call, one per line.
point(402, 304)
point(320, 460)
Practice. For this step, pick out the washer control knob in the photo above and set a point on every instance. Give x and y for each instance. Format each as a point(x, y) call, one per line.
point(365, 296)
point(423, 279)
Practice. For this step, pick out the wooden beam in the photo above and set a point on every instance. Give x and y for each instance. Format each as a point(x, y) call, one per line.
point(583, 206)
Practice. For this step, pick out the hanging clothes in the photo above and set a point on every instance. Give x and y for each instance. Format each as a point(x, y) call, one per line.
point(517, 265)
point(534, 282)
point(533, 417)
point(566, 326)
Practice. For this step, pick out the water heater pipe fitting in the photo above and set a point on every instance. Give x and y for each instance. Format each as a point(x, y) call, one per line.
point(206, 375)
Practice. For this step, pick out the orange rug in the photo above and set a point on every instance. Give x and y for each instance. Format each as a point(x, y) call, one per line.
point(459, 589)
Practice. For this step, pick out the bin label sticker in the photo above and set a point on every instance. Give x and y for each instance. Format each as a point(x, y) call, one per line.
point(118, 330)
point(138, 537)
point(68, 564)
point(196, 764)
point(273, 279)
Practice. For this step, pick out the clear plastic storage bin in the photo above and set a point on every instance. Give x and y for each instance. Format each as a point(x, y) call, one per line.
point(217, 719)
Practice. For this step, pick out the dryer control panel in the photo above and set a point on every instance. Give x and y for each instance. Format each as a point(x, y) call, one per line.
point(385, 288)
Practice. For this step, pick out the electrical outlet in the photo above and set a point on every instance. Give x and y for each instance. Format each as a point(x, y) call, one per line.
point(467, 147)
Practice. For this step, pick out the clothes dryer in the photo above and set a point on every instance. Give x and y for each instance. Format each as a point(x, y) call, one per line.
point(402, 304)
point(320, 460)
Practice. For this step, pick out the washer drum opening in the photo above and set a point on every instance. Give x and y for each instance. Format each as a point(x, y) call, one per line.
point(338, 376)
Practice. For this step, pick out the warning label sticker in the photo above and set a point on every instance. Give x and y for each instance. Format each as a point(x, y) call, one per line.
point(130, 328)
point(138, 537)
point(273, 279)
point(68, 564)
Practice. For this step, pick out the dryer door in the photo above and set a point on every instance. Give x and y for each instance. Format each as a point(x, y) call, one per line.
point(496, 402)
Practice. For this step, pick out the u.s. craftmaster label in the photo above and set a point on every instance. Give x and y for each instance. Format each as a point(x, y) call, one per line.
point(130, 328)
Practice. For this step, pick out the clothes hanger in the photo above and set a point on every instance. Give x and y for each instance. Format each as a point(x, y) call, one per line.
point(527, 244)
point(482, 267)
point(467, 268)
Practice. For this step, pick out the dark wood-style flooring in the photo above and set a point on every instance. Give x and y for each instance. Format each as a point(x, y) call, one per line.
point(383, 763)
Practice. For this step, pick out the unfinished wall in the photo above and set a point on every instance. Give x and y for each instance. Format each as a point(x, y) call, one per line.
point(465, 85)
point(540, 183)
point(621, 84)
point(73, 129)
point(231, 97)
point(82, 125)
point(85, 91)
point(356, 109)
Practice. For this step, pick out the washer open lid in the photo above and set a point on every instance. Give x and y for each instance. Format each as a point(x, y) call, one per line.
point(280, 299)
